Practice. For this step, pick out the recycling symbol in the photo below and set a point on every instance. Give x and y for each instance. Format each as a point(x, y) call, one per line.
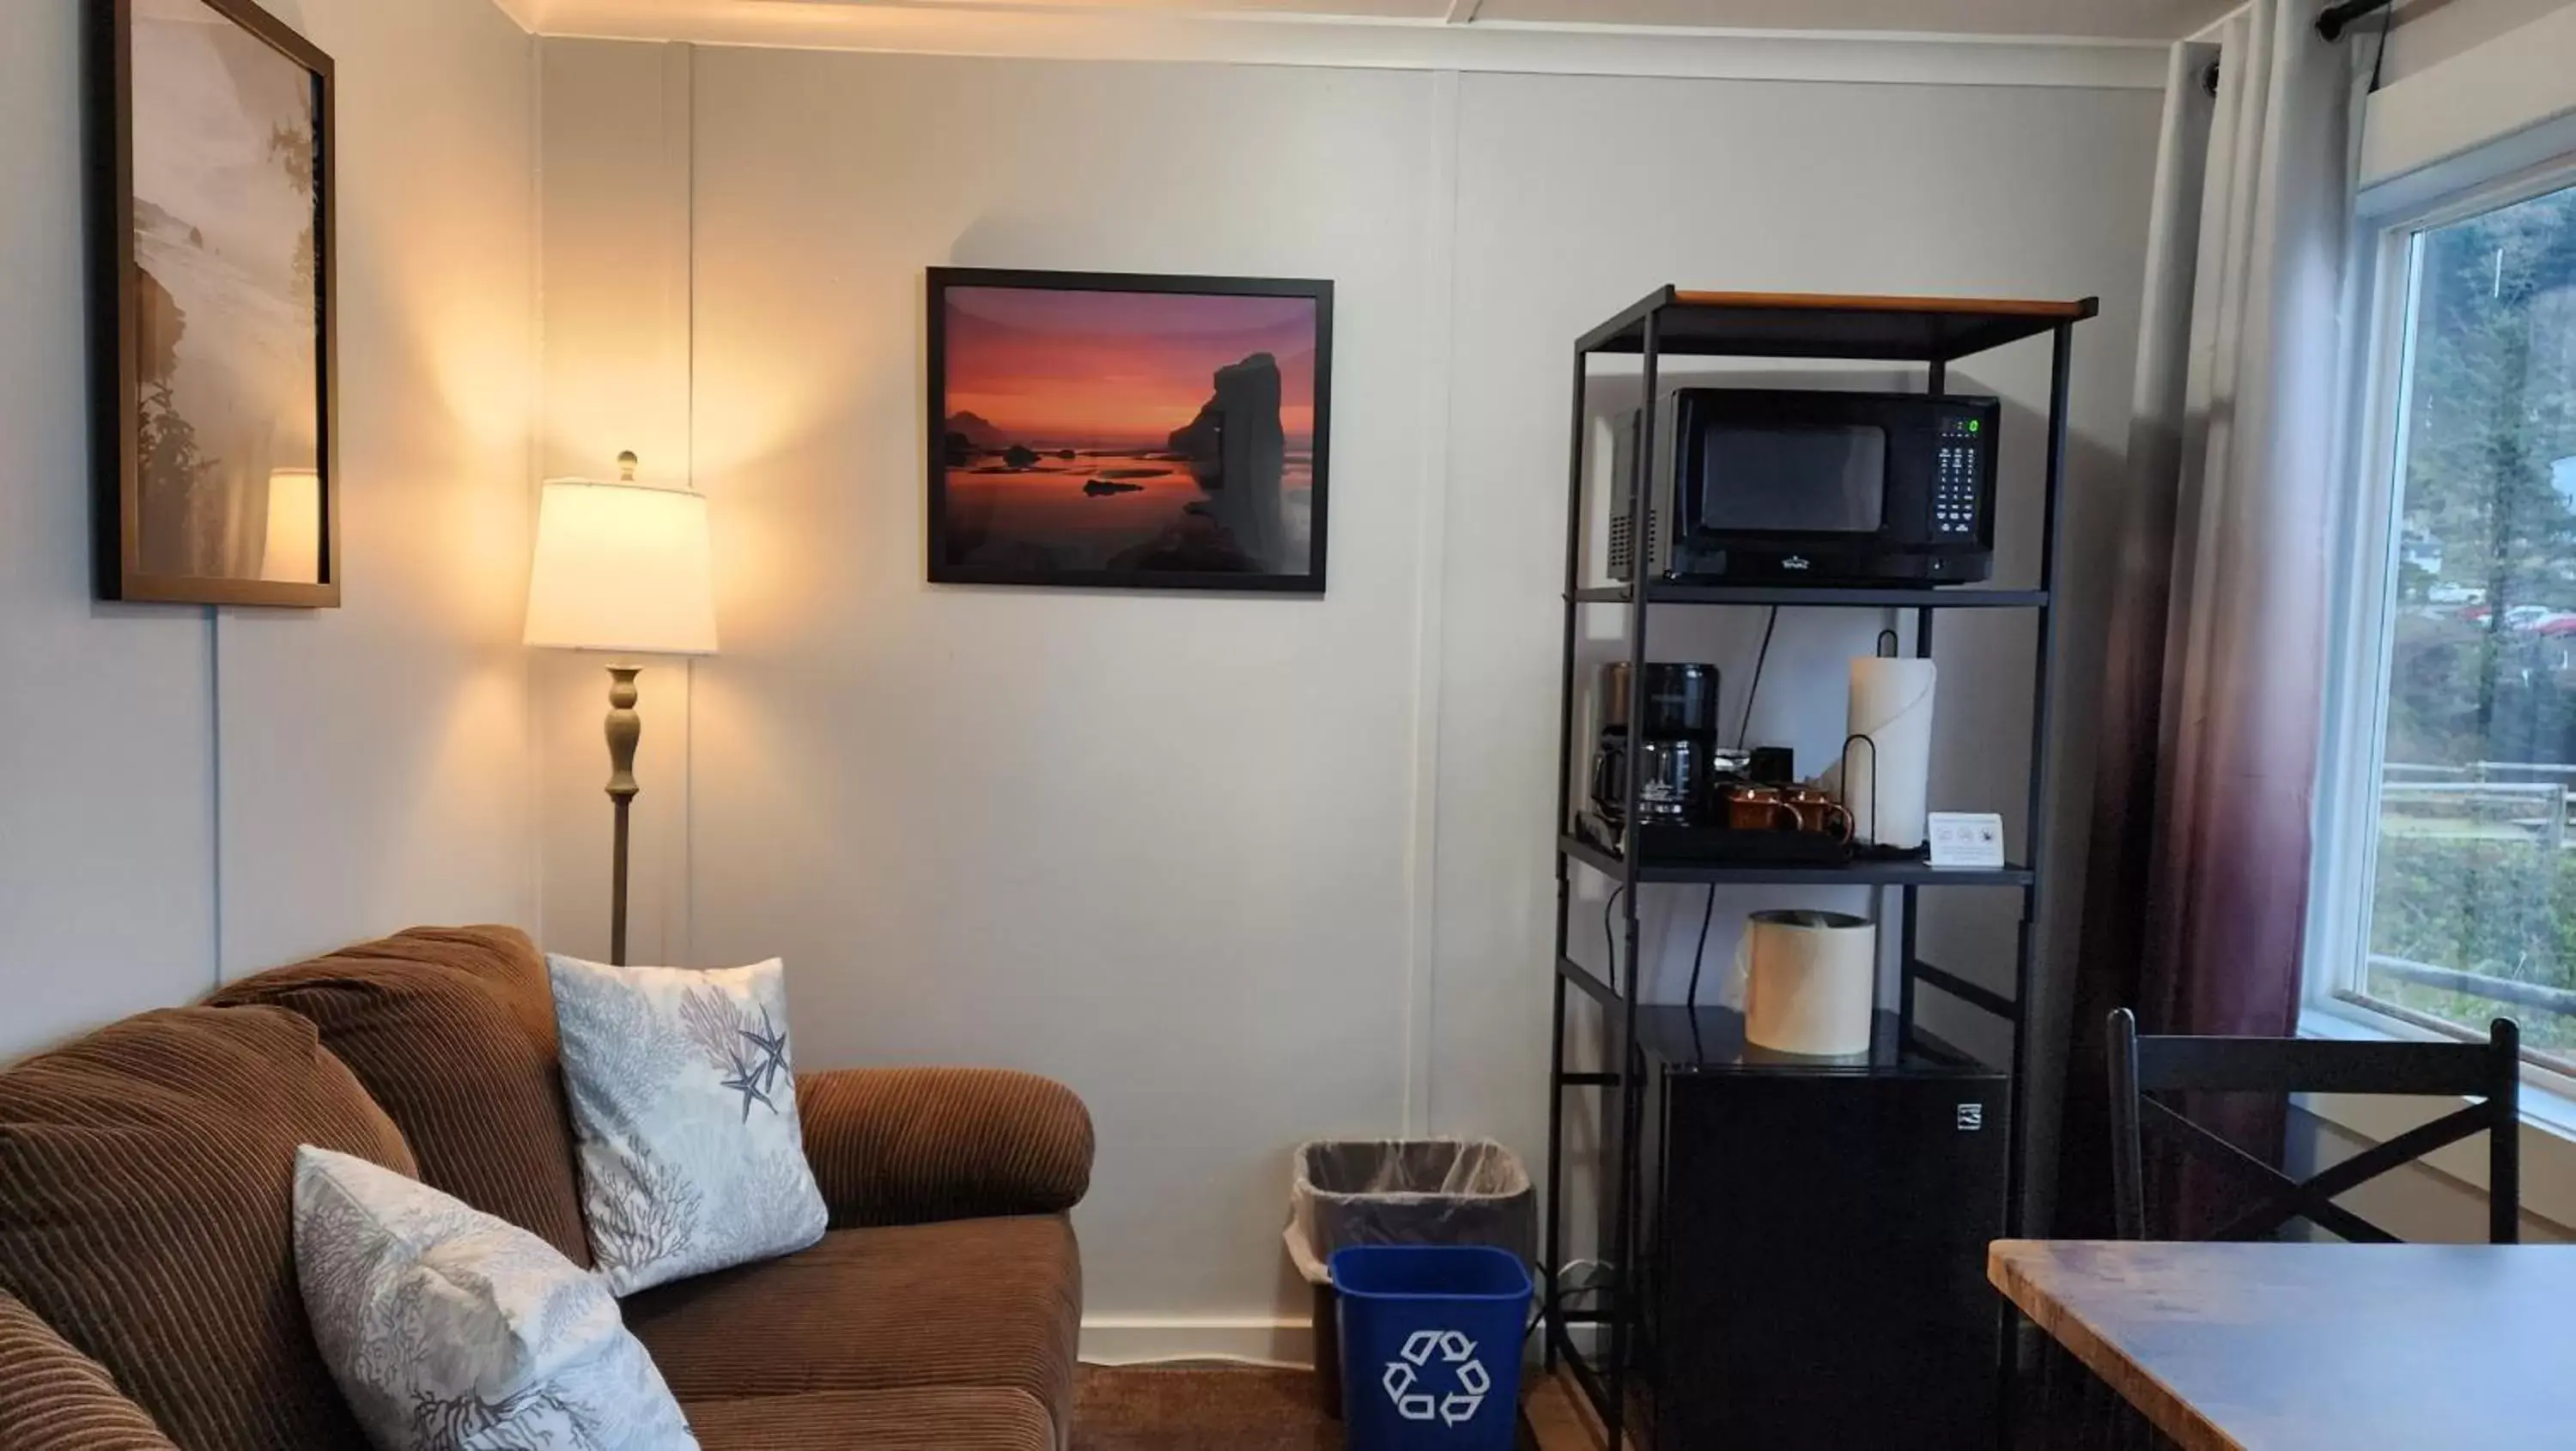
point(1404, 1378)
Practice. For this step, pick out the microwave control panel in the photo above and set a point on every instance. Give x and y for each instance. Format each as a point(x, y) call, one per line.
point(1954, 486)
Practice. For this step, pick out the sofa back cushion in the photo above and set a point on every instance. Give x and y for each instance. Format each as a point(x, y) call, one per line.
point(146, 1213)
point(53, 1398)
point(432, 1022)
point(501, 958)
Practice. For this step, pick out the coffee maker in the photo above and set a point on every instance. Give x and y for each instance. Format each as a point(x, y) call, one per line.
point(1671, 750)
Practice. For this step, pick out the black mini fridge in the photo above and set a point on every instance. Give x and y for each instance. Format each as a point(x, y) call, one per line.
point(1813, 1237)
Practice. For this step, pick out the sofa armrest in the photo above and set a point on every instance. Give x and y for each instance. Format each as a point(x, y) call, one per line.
point(913, 1145)
point(53, 1398)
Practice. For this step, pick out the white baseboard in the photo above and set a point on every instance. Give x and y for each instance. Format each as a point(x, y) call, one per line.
point(1124, 1340)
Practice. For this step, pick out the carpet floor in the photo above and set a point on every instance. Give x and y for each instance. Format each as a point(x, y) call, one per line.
point(1199, 1408)
point(1203, 1408)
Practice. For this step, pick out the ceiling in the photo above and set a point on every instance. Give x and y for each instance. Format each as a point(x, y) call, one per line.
point(2096, 19)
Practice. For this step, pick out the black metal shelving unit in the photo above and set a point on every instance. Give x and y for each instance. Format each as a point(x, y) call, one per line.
point(1932, 332)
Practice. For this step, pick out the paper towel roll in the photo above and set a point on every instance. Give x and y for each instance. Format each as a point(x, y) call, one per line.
point(1811, 982)
point(1886, 779)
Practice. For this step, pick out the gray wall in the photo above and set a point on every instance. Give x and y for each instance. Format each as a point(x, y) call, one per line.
point(1240, 870)
point(189, 794)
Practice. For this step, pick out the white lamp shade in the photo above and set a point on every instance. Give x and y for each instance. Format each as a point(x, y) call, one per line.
point(622, 567)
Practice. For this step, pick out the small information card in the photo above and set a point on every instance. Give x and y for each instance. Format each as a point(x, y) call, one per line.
point(1966, 839)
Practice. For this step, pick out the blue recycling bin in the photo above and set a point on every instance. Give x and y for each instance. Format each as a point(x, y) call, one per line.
point(1431, 1346)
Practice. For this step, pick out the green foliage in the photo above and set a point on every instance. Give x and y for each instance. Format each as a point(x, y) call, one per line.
point(2497, 908)
point(2489, 415)
point(2500, 908)
point(2491, 407)
point(2458, 693)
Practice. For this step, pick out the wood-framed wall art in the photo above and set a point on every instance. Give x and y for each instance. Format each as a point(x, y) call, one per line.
point(212, 264)
point(1111, 430)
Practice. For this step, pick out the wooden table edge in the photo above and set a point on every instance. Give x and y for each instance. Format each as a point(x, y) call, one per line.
point(2158, 1402)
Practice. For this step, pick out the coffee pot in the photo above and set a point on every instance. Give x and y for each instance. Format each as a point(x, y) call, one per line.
point(1671, 754)
point(1671, 778)
point(1681, 700)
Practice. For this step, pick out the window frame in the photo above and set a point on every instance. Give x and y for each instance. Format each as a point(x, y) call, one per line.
point(2386, 255)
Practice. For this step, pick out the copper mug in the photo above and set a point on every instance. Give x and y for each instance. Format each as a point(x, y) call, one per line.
point(1818, 811)
point(1759, 808)
point(1786, 808)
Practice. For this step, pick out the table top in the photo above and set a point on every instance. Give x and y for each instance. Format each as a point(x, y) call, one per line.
point(2288, 1347)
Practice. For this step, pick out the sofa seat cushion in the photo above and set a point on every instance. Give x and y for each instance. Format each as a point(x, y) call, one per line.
point(895, 1420)
point(146, 1214)
point(426, 1022)
point(989, 1303)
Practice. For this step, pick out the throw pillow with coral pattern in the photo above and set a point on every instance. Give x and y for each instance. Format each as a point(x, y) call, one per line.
point(451, 1330)
point(683, 1098)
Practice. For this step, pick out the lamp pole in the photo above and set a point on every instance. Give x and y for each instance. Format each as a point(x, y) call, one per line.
point(625, 728)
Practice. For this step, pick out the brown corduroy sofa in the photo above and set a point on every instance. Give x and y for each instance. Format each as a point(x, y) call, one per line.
point(147, 1281)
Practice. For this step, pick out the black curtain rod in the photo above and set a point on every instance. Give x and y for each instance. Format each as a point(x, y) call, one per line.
point(2337, 18)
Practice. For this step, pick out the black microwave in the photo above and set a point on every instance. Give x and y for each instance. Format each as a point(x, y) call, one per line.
point(1766, 486)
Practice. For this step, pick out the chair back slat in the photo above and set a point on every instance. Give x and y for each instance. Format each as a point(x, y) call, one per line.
point(2490, 1072)
point(2278, 1197)
point(2311, 1065)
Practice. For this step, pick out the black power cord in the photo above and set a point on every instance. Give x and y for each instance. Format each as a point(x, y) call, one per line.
point(1699, 954)
point(1609, 939)
point(1762, 656)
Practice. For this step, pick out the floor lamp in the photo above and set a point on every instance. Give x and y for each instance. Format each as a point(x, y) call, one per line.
point(621, 568)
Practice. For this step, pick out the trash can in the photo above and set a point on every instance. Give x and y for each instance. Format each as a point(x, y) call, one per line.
point(1431, 1346)
point(1349, 1192)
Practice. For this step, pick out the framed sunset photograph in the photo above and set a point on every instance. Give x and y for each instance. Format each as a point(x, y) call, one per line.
point(1119, 431)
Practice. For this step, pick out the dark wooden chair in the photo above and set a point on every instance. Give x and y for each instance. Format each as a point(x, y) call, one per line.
point(2490, 1072)
point(2068, 1408)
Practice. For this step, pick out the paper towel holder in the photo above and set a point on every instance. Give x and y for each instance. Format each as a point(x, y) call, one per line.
point(1873, 850)
point(1866, 739)
point(1887, 647)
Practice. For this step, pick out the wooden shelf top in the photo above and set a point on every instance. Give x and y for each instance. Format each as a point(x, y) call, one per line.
point(1831, 325)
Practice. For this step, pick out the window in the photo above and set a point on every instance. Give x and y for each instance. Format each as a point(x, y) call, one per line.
point(2451, 864)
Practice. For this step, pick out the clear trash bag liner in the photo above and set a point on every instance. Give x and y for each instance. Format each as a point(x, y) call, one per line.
point(1407, 1191)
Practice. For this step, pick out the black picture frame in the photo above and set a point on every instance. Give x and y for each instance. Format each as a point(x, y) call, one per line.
point(124, 569)
point(944, 565)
